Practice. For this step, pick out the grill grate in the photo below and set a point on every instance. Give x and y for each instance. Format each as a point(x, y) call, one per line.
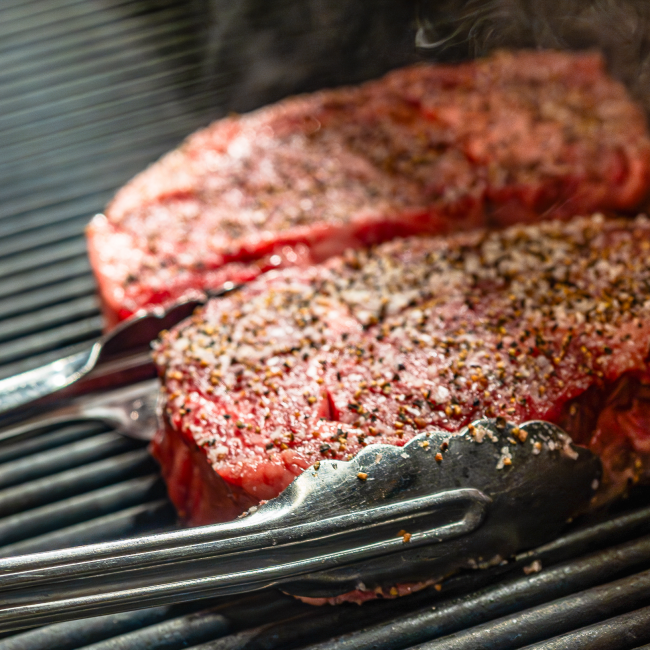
point(93, 91)
point(83, 483)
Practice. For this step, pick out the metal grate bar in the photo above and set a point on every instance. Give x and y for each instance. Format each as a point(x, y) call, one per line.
point(63, 51)
point(37, 321)
point(620, 633)
point(58, 252)
point(104, 158)
point(235, 614)
point(75, 481)
point(151, 517)
point(37, 278)
point(50, 440)
point(42, 237)
point(110, 108)
point(292, 631)
point(65, 67)
point(34, 15)
point(176, 633)
point(102, 88)
point(28, 346)
point(562, 615)
point(24, 28)
point(64, 457)
point(85, 507)
point(88, 141)
point(510, 597)
point(112, 172)
point(54, 213)
point(76, 634)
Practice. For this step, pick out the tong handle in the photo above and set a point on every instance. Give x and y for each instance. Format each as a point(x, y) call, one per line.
point(53, 586)
point(132, 335)
point(131, 411)
point(21, 390)
point(366, 532)
point(378, 517)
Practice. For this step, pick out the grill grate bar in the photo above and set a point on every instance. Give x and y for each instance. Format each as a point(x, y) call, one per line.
point(65, 457)
point(40, 278)
point(100, 162)
point(487, 605)
point(55, 213)
point(51, 440)
point(291, 631)
point(20, 80)
point(75, 481)
point(101, 89)
point(82, 508)
point(76, 634)
point(29, 241)
point(175, 633)
point(562, 615)
point(235, 613)
point(34, 300)
point(63, 50)
point(112, 173)
point(68, 132)
point(55, 338)
point(64, 16)
point(151, 517)
point(36, 321)
point(619, 633)
point(57, 252)
point(133, 98)
point(89, 141)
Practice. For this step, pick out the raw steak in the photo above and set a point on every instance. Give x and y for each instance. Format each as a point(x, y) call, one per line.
point(427, 149)
point(548, 321)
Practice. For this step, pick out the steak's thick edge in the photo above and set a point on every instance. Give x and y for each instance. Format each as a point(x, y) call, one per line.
point(428, 149)
point(547, 321)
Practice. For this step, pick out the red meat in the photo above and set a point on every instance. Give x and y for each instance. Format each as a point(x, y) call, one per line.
point(427, 149)
point(548, 321)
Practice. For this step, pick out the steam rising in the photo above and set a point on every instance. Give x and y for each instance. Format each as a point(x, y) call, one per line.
point(456, 29)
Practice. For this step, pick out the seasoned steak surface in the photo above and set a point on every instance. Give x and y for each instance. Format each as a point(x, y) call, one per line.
point(408, 337)
point(427, 149)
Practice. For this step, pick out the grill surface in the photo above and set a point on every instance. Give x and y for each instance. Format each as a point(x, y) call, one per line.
point(93, 91)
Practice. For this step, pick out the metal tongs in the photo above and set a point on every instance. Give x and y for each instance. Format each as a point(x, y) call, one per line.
point(388, 517)
point(392, 515)
point(120, 356)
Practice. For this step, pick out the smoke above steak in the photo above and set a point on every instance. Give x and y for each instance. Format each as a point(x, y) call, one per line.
point(428, 149)
point(548, 321)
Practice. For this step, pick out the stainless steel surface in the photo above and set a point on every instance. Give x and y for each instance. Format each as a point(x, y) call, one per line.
point(391, 514)
point(131, 411)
